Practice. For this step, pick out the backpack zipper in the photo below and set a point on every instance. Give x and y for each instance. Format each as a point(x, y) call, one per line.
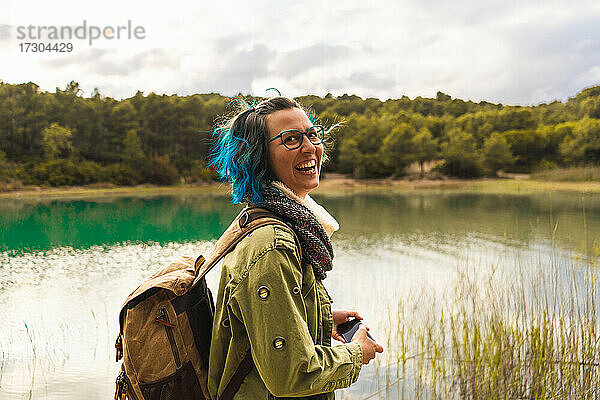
point(163, 318)
point(124, 389)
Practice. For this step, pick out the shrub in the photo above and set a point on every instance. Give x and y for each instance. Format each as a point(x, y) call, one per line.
point(199, 172)
point(461, 158)
point(160, 171)
point(121, 174)
point(90, 172)
point(54, 173)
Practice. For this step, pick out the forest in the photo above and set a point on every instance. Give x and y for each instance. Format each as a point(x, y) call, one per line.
point(65, 138)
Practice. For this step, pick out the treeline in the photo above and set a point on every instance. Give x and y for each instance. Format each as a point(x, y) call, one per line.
point(64, 138)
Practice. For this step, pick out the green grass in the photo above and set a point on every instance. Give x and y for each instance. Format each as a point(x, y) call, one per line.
point(522, 186)
point(573, 174)
point(328, 187)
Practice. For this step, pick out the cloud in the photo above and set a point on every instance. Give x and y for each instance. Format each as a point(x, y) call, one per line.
point(554, 62)
point(510, 51)
point(233, 71)
point(105, 62)
point(317, 55)
point(371, 80)
point(151, 59)
point(365, 83)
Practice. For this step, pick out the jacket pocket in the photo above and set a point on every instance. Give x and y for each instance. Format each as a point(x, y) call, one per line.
point(181, 385)
point(308, 282)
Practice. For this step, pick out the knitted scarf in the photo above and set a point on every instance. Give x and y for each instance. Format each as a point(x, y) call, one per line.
point(314, 240)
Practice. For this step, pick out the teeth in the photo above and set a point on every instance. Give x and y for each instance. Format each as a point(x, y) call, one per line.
point(307, 164)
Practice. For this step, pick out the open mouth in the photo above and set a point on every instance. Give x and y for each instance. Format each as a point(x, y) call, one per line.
point(307, 167)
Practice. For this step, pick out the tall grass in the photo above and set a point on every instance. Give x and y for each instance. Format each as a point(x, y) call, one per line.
point(537, 337)
point(572, 174)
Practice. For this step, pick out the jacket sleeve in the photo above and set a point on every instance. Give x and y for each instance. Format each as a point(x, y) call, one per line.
point(287, 359)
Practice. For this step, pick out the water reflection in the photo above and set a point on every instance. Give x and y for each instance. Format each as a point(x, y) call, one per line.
point(66, 266)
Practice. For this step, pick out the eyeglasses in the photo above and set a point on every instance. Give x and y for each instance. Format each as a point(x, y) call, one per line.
point(292, 138)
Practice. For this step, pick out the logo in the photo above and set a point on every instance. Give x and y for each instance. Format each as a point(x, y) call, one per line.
point(84, 31)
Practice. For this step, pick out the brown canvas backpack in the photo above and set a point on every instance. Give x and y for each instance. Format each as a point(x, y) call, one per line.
point(166, 325)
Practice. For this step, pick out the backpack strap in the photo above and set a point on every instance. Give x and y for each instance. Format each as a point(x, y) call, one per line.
point(248, 220)
point(238, 377)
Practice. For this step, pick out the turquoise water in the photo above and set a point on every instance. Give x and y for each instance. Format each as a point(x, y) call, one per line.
point(30, 226)
point(41, 225)
point(66, 266)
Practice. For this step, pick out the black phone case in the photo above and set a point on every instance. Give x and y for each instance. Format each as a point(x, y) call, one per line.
point(349, 328)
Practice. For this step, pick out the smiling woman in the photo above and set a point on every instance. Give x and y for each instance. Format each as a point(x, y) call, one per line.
point(273, 317)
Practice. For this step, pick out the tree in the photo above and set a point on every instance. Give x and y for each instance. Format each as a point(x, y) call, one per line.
point(441, 96)
point(3, 166)
point(123, 118)
point(583, 145)
point(361, 144)
point(528, 146)
point(396, 151)
point(424, 147)
point(160, 171)
point(460, 155)
point(133, 155)
point(56, 141)
point(350, 158)
point(497, 153)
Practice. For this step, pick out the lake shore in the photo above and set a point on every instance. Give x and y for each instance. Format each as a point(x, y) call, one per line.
point(334, 184)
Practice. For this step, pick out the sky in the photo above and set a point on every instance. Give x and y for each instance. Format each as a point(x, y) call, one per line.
point(511, 52)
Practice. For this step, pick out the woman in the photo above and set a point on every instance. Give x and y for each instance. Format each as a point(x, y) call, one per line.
point(271, 304)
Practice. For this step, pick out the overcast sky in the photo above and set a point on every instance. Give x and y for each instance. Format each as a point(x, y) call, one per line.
point(514, 52)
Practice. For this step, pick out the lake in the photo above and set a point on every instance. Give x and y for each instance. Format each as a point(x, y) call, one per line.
point(67, 265)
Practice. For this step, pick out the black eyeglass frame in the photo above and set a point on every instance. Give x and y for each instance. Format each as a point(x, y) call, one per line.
point(302, 134)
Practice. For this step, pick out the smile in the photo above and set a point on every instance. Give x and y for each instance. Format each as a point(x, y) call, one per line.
point(307, 167)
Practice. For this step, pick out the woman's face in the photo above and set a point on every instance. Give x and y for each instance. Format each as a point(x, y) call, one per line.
point(286, 164)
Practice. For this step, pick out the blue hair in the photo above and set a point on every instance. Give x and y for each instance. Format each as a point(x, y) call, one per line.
point(237, 164)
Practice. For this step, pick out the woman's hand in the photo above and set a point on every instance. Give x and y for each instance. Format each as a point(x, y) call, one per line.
point(368, 347)
point(339, 317)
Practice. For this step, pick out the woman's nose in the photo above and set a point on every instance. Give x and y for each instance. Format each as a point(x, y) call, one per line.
point(307, 146)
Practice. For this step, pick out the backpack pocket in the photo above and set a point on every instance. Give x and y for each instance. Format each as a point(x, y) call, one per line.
point(154, 346)
point(164, 320)
point(181, 385)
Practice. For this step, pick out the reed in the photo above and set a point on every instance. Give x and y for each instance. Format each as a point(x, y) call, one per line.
point(537, 337)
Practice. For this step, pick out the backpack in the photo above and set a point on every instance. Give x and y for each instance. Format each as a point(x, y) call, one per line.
point(166, 324)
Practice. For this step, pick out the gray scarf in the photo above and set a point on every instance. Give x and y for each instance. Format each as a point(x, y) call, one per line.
point(315, 243)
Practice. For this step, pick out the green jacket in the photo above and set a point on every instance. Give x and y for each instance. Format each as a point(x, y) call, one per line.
point(268, 304)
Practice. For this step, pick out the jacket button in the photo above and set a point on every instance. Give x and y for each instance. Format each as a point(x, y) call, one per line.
point(225, 323)
point(263, 292)
point(279, 343)
point(296, 290)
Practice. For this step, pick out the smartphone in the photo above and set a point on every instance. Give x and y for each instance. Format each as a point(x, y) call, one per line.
point(349, 328)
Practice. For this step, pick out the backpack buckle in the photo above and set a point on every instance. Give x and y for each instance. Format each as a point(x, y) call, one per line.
point(244, 219)
point(121, 386)
point(119, 347)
